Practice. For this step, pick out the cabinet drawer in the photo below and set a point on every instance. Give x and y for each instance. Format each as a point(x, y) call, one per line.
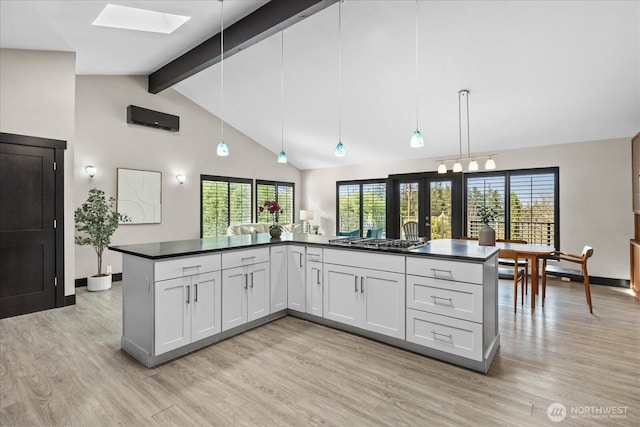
point(363, 259)
point(454, 299)
point(444, 269)
point(244, 257)
point(190, 266)
point(454, 336)
point(314, 254)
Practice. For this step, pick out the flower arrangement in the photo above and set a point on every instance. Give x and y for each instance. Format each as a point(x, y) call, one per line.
point(487, 214)
point(272, 207)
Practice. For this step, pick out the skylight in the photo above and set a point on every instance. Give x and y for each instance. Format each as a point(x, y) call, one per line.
point(131, 18)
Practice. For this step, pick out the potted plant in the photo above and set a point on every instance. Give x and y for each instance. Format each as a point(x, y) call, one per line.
point(487, 235)
point(273, 208)
point(96, 221)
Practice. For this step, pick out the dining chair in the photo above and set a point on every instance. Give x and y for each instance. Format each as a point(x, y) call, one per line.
point(354, 233)
point(570, 273)
point(411, 230)
point(468, 238)
point(375, 233)
point(516, 272)
point(523, 263)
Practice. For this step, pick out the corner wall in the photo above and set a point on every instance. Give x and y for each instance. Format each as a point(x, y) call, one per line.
point(106, 141)
point(595, 194)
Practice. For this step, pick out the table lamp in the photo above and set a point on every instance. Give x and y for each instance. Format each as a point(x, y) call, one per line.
point(305, 217)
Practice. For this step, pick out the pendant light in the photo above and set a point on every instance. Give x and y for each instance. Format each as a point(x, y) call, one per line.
point(490, 164)
point(340, 151)
point(457, 166)
point(473, 165)
point(282, 156)
point(417, 141)
point(222, 149)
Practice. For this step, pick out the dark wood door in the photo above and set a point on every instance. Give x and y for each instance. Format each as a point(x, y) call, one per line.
point(27, 233)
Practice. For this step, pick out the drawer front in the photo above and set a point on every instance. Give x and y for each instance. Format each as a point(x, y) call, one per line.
point(454, 299)
point(365, 259)
point(244, 257)
point(445, 270)
point(314, 254)
point(189, 266)
point(454, 336)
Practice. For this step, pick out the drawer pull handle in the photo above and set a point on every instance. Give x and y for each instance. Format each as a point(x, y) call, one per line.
point(316, 256)
point(436, 335)
point(446, 272)
point(249, 258)
point(436, 298)
point(193, 266)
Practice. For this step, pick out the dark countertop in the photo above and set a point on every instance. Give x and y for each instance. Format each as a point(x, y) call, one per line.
point(464, 249)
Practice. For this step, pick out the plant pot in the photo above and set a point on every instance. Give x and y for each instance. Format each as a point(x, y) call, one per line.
point(275, 231)
point(487, 236)
point(99, 283)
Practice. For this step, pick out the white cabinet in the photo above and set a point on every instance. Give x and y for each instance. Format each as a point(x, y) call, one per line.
point(278, 257)
point(296, 277)
point(245, 288)
point(187, 309)
point(364, 297)
point(314, 288)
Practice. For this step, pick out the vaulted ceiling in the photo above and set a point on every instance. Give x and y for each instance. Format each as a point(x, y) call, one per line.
point(539, 73)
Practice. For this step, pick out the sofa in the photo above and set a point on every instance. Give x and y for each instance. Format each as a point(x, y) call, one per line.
point(237, 230)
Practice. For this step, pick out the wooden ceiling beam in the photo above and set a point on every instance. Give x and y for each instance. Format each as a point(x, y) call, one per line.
point(269, 19)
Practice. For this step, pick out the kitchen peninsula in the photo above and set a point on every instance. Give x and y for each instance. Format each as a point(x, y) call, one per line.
point(438, 299)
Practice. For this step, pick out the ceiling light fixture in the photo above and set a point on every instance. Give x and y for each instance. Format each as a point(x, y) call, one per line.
point(282, 156)
point(222, 149)
point(340, 151)
point(131, 18)
point(473, 164)
point(417, 140)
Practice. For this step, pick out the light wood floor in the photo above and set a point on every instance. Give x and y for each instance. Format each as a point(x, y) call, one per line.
point(65, 367)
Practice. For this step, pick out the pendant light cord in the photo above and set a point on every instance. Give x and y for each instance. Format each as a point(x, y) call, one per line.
point(282, 86)
point(468, 133)
point(340, 71)
point(417, 74)
point(221, 70)
point(460, 123)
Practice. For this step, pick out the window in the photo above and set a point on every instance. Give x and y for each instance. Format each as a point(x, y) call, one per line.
point(223, 202)
point(362, 207)
point(531, 212)
point(281, 192)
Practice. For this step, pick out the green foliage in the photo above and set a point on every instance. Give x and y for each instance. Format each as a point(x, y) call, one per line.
point(96, 220)
point(487, 213)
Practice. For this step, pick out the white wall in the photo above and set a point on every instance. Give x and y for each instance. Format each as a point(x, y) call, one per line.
point(595, 194)
point(105, 140)
point(38, 99)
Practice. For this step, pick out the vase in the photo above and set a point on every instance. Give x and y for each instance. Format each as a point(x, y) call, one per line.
point(487, 236)
point(275, 231)
point(99, 283)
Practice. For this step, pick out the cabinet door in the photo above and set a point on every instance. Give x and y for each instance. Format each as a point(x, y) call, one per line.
point(206, 305)
point(278, 278)
point(295, 278)
point(234, 297)
point(172, 314)
point(383, 302)
point(341, 293)
point(258, 291)
point(314, 288)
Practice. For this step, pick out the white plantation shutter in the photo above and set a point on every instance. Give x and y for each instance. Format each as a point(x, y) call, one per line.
point(223, 202)
point(281, 192)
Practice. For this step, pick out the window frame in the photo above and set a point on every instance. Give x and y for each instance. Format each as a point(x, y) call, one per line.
point(276, 184)
point(229, 181)
point(360, 183)
point(507, 174)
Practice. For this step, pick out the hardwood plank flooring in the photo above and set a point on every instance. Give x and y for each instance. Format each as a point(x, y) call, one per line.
point(64, 367)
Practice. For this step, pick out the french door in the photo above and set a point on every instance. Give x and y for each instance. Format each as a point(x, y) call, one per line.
point(432, 200)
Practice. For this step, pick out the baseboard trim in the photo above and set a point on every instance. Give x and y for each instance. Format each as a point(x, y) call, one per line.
point(69, 300)
point(116, 277)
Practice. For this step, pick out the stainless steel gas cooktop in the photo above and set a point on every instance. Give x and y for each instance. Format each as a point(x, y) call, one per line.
point(397, 245)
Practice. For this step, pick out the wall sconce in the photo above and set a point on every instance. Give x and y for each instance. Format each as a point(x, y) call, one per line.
point(180, 178)
point(91, 170)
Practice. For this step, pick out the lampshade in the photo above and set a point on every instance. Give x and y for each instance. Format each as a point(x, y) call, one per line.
point(417, 140)
point(442, 168)
point(222, 149)
point(457, 166)
point(340, 151)
point(473, 165)
point(490, 164)
point(282, 157)
point(306, 215)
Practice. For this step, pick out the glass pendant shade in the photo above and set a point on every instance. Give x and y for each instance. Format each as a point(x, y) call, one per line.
point(442, 168)
point(282, 157)
point(417, 140)
point(490, 164)
point(340, 151)
point(457, 166)
point(473, 165)
point(222, 149)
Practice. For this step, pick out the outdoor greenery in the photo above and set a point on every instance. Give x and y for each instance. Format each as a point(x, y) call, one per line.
point(96, 220)
point(224, 203)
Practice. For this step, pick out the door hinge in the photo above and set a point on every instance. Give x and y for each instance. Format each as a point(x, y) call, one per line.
point(55, 166)
point(55, 281)
point(55, 224)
